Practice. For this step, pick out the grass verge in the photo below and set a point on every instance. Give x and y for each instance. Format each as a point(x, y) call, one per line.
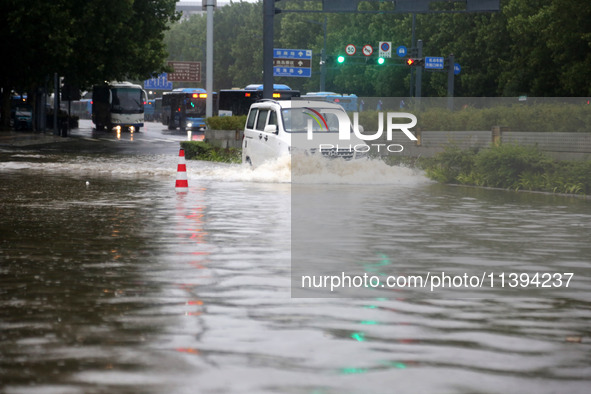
point(200, 150)
point(510, 167)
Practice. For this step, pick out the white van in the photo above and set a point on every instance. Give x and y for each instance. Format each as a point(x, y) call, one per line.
point(276, 128)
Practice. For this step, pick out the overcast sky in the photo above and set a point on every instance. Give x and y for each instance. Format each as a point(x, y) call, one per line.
point(223, 1)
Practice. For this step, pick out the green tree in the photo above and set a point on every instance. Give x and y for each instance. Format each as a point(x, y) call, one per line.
point(242, 44)
point(534, 47)
point(87, 41)
point(551, 47)
point(237, 43)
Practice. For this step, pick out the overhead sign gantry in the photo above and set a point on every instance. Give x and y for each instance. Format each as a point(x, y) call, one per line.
point(351, 6)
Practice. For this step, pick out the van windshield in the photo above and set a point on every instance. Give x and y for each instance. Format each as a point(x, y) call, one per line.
point(296, 120)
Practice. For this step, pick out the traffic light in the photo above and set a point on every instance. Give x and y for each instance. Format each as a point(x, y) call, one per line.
point(415, 61)
point(375, 61)
point(340, 59)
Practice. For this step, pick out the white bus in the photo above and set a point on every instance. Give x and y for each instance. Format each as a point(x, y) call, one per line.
point(118, 105)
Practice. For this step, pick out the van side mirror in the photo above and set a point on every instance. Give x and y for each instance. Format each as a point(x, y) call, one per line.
point(271, 128)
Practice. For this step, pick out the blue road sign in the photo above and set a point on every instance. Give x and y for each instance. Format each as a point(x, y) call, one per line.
point(292, 62)
point(457, 68)
point(401, 51)
point(434, 63)
point(158, 83)
point(292, 72)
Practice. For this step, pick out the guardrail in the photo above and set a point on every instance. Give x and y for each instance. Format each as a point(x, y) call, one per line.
point(561, 146)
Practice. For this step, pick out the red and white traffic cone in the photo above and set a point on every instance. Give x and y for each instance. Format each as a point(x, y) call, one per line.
point(181, 174)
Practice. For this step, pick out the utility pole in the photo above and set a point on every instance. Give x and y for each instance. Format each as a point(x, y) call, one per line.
point(323, 60)
point(268, 15)
point(210, 5)
point(450, 82)
point(412, 54)
point(56, 103)
point(419, 79)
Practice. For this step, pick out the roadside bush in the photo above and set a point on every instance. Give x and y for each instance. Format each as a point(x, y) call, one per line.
point(199, 150)
point(502, 166)
point(510, 167)
point(571, 177)
point(538, 117)
point(451, 165)
point(519, 117)
point(226, 122)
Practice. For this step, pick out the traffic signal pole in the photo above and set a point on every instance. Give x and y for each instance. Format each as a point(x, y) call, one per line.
point(450, 82)
point(412, 49)
point(323, 60)
point(419, 77)
point(268, 15)
point(209, 59)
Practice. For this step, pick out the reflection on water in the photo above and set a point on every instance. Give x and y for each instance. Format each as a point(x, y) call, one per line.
point(126, 286)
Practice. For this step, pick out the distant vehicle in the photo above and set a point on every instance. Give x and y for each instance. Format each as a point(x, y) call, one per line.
point(158, 109)
point(118, 104)
point(238, 101)
point(277, 128)
point(149, 110)
point(21, 113)
point(185, 108)
point(347, 101)
point(81, 108)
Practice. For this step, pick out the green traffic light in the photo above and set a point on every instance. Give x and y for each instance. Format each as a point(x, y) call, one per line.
point(381, 60)
point(341, 59)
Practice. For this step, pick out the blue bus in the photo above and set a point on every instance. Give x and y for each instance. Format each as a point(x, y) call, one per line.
point(347, 101)
point(185, 108)
point(82, 108)
point(149, 110)
point(238, 101)
point(21, 113)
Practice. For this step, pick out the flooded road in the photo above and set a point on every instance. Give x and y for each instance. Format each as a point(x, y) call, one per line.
point(112, 282)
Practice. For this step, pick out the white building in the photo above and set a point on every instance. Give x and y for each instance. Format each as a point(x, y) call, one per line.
point(189, 8)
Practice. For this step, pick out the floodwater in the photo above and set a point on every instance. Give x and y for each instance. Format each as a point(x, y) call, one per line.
point(112, 282)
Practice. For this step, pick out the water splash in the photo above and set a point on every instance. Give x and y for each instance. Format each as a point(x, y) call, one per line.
point(312, 170)
point(286, 169)
point(318, 170)
point(272, 171)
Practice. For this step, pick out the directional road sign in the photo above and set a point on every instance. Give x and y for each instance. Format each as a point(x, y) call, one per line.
point(292, 62)
point(160, 82)
point(185, 71)
point(433, 63)
point(457, 68)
